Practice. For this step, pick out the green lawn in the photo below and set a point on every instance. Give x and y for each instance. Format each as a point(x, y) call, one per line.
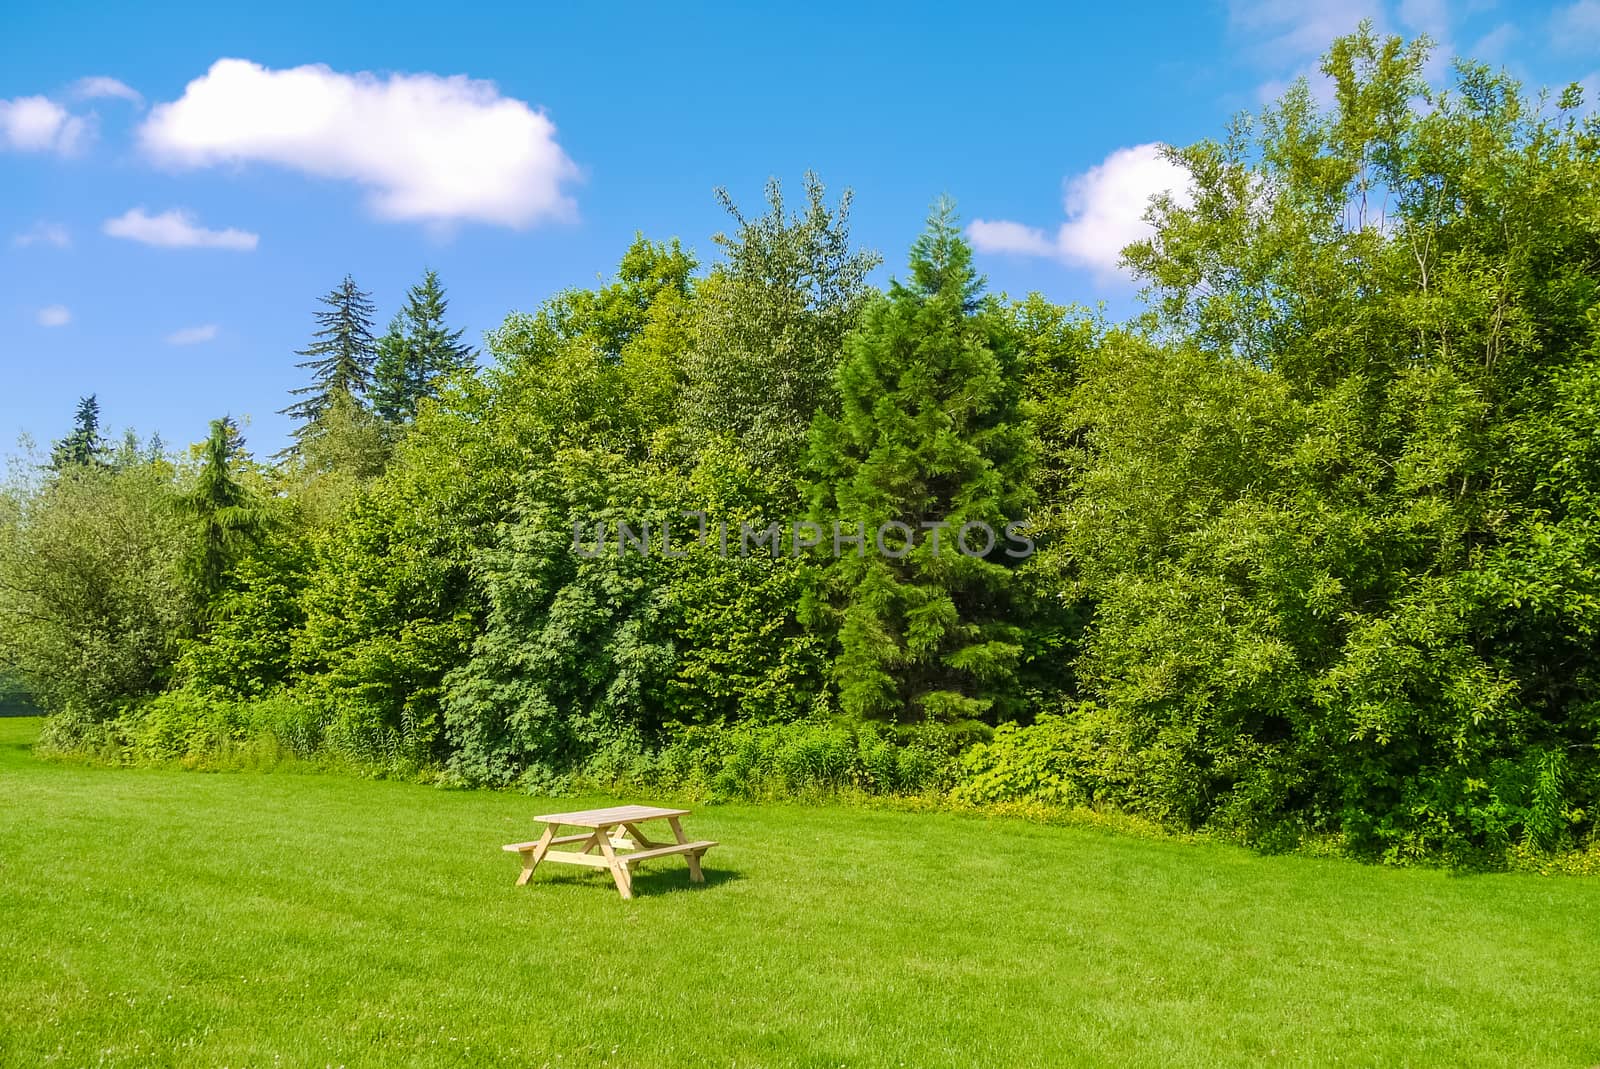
point(173, 918)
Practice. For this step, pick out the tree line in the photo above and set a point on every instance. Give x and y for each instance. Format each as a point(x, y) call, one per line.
point(1317, 529)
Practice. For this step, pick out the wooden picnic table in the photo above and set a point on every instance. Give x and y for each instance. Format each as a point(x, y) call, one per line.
point(618, 850)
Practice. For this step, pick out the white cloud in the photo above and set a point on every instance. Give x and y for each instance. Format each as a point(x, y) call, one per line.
point(1577, 27)
point(1105, 209)
point(426, 148)
point(98, 86)
point(44, 233)
point(1291, 30)
point(38, 124)
point(176, 229)
point(55, 315)
point(193, 335)
point(1001, 236)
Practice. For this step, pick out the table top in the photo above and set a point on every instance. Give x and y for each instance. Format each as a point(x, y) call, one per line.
point(605, 818)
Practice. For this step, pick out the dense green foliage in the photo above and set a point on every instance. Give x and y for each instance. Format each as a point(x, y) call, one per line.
point(1318, 533)
point(95, 596)
point(770, 325)
point(222, 509)
point(1338, 521)
point(929, 438)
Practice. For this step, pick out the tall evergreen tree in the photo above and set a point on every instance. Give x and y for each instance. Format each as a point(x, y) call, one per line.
point(84, 447)
point(417, 352)
point(438, 351)
point(340, 356)
point(929, 435)
point(395, 382)
point(221, 505)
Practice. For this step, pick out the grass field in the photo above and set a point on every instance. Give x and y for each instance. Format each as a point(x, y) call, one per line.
point(172, 918)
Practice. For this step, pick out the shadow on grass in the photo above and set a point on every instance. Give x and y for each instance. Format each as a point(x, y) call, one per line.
point(646, 883)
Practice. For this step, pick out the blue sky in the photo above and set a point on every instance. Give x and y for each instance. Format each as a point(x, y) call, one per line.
point(167, 222)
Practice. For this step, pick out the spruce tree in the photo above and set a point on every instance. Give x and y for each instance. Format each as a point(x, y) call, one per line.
point(340, 356)
point(84, 447)
point(417, 353)
point(227, 517)
point(929, 433)
point(395, 380)
point(438, 352)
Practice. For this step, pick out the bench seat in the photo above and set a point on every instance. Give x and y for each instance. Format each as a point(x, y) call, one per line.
point(696, 849)
point(528, 848)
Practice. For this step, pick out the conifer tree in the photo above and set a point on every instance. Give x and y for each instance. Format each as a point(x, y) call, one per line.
point(417, 352)
point(340, 356)
point(222, 507)
point(437, 352)
point(929, 435)
point(394, 375)
point(84, 447)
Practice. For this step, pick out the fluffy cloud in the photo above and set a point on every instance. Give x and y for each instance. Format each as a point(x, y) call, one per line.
point(39, 124)
point(176, 230)
point(426, 148)
point(98, 86)
point(193, 335)
point(1105, 209)
point(55, 315)
point(43, 233)
point(1001, 236)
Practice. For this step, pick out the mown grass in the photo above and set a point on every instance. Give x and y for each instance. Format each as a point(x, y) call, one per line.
point(172, 918)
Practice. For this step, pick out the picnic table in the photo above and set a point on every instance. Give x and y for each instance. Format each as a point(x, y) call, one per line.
point(615, 834)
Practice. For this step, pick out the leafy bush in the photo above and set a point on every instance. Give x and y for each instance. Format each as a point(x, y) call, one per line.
point(797, 760)
point(581, 650)
point(246, 650)
point(202, 730)
point(92, 594)
point(1080, 757)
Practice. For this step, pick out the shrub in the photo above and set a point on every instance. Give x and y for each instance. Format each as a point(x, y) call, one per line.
point(93, 597)
point(181, 724)
point(803, 759)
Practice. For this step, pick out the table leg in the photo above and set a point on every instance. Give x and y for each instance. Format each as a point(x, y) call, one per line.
point(640, 839)
point(619, 868)
point(531, 859)
point(695, 875)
